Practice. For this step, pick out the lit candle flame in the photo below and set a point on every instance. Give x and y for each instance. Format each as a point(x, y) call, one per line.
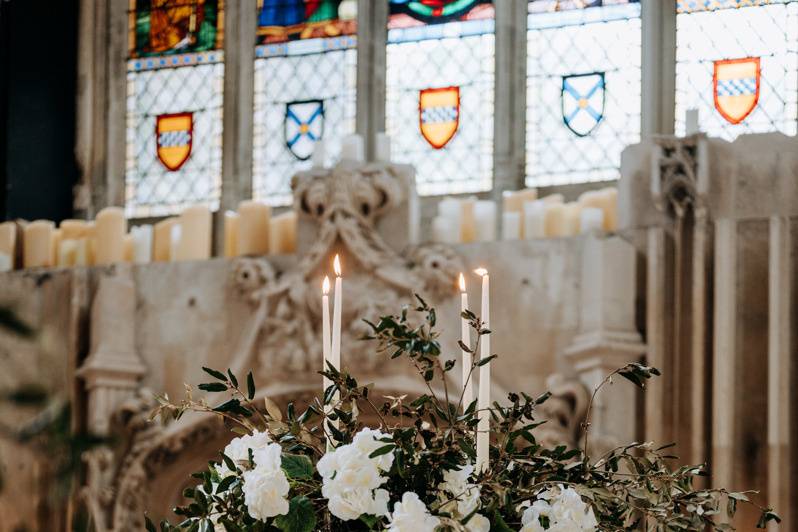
point(482, 272)
point(337, 265)
point(325, 286)
point(462, 282)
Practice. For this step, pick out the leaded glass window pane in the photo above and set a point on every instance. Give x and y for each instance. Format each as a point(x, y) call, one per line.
point(737, 63)
point(439, 102)
point(305, 87)
point(175, 81)
point(583, 89)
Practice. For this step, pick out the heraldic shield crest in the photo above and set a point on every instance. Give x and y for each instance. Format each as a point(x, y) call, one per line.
point(174, 135)
point(582, 101)
point(439, 114)
point(303, 126)
point(736, 87)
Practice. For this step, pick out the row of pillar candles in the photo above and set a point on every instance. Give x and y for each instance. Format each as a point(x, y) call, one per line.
point(331, 352)
point(524, 216)
point(252, 230)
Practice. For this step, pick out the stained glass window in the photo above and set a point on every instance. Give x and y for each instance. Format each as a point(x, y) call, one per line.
point(175, 79)
point(583, 89)
point(305, 77)
point(737, 63)
point(439, 103)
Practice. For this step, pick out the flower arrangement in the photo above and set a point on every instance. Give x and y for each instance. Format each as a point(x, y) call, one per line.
point(322, 469)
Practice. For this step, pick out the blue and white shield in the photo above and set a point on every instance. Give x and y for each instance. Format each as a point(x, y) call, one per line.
point(583, 102)
point(304, 125)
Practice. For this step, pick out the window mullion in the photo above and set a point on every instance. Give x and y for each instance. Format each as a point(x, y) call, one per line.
point(372, 33)
point(659, 67)
point(239, 89)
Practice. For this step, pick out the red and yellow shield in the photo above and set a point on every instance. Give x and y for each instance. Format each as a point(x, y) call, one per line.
point(736, 87)
point(174, 134)
point(439, 114)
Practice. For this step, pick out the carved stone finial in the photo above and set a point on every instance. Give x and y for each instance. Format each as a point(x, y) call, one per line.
point(677, 177)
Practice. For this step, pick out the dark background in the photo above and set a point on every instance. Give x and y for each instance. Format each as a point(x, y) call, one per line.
point(38, 70)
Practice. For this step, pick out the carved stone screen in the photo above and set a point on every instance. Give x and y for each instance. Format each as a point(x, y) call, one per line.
point(175, 82)
point(439, 102)
point(305, 75)
point(737, 63)
point(583, 89)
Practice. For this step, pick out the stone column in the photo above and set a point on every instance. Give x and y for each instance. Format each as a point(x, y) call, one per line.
point(113, 368)
point(781, 350)
point(608, 338)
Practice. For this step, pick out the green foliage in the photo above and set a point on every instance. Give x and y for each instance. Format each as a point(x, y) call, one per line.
point(434, 432)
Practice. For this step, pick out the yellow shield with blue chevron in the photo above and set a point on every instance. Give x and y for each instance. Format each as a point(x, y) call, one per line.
point(736, 87)
point(303, 126)
point(174, 135)
point(582, 101)
point(439, 114)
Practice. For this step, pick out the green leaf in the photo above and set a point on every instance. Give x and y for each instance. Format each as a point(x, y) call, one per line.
point(215, 374)
point(213, 387)
point(297, 466)
point(385, 449)
point(149, 525)
point(484, 361)
point(498, 525)
point(300, 516)
point(250, 386)
point(233, 378)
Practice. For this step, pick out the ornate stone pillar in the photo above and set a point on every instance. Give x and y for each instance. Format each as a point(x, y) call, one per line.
point(608, 338)
point(113, 368)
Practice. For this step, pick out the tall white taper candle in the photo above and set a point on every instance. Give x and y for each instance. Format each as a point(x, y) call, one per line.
point(465, 337)
point(325, 329)
point(483, 426)
point(335, 355)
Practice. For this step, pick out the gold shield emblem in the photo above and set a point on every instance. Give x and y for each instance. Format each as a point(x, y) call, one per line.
point(439, 114)
point(736, 87)
point(174, 135)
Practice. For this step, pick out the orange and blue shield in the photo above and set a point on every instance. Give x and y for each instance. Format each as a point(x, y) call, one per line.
point(736, 87)
point(439, 114)
point(582, 100)
point(303, 127)
point(174, 135)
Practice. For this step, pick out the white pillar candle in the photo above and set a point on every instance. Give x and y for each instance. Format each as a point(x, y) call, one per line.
point(74, 229)
point(591, 219)
point(571, 219)
point(162, 240)
point(468, 222)
point(67, 253)
point(175, 234)
point(691, 122)
point(8, 243)
point(483, 425)
point(534, 219)
point(445, 230)
point(319, 157)
point(142, 244)
point(110, 228)
point(554, 222)
point(352, 148)
point(382, 147)
point(129, 248)
point(253, 228)
point(282, 233)
point(195, 234)
point(55, 242)
point(554, 198)
point(36, 244)
point(6, 263)
point(511, 225)
point(465, 337)
point(610, 209)
point(230, 234)
point(485, 220)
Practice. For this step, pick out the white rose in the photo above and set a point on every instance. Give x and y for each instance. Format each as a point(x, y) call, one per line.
point(462, 495)
point(411, 515)
point(351, 479)
point(565, 510)
point(478, 523)
point(266, 486)
point(238, 449)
